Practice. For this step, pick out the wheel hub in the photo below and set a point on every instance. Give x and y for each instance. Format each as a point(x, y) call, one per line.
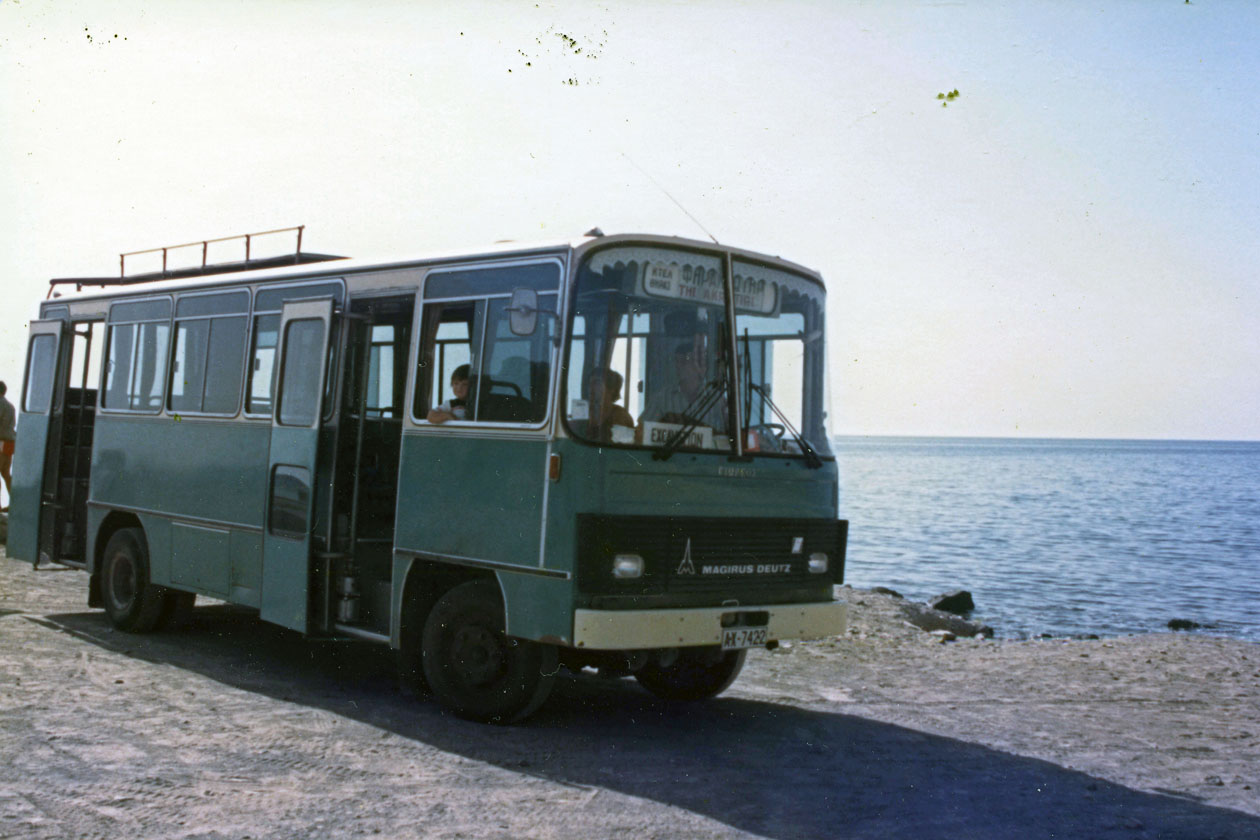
point(477, 655)
point(122, 582)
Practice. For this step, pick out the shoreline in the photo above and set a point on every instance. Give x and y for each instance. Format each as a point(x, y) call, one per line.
point(976, 617)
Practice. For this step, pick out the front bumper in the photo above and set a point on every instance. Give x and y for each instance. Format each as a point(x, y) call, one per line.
point(669, 628)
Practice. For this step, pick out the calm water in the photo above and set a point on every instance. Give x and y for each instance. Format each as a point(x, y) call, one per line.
point(1061, 536)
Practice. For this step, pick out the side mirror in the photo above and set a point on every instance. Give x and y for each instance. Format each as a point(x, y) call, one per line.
point(523, 311)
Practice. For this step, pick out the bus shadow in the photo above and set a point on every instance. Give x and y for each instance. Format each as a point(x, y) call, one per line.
point(771, 770)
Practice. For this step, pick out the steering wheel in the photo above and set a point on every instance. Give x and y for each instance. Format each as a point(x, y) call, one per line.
point(778, 429)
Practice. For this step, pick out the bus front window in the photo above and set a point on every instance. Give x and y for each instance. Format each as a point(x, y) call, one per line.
point(649, 358)
point(646, 361)
point(781, 354)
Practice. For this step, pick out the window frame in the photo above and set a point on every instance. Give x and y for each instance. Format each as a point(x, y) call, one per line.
point(564, 399)
point(318, 287)
point(176, 320)
point(421, 339)
point(45, 393)
point(307, 419)
point(731, 261)
point(110, 326)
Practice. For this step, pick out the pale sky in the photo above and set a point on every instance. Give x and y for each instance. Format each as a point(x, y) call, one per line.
point(1069, 248)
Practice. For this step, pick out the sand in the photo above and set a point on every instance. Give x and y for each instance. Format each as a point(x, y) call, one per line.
point(228, 727)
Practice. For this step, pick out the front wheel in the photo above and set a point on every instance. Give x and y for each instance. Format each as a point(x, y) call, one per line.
point(131, 601)
point(474, 668)
point(698, 674)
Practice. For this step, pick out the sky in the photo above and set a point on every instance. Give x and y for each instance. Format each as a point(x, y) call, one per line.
point(1067, 248)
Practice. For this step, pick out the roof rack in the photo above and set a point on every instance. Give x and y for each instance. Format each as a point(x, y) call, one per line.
point(298, 257)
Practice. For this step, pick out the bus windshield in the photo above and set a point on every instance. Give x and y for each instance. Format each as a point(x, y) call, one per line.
point(650, 358)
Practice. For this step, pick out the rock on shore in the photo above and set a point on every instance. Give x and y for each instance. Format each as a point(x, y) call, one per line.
point(926, 618)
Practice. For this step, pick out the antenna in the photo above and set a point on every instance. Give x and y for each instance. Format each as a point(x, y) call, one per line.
point(670, 197)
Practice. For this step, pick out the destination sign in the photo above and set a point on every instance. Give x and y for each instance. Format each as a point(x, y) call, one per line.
point(754, 294)
point(685, 282)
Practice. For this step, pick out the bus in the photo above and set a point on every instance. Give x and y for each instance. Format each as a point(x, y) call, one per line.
point(631, 471)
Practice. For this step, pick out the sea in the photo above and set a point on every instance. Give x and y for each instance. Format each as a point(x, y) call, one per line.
point(1060, 537)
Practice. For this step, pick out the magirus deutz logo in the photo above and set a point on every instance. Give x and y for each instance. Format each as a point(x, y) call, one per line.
point(687, 567)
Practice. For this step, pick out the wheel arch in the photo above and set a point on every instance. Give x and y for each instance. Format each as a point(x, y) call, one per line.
point(424, 582)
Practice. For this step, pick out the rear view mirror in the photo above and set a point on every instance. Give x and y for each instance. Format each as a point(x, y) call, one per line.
point(524, 311)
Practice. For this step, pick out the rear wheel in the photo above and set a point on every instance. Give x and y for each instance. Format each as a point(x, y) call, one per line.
point(131, 601)
point(474, 668)
point(699, 673)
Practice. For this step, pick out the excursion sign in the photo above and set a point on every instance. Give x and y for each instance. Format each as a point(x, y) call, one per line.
point(658, 434)
point(695, 283)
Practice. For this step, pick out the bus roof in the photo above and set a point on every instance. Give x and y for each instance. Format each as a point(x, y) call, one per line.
point(110, 287)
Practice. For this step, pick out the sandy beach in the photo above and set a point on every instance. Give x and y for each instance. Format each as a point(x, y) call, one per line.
point(230, 728)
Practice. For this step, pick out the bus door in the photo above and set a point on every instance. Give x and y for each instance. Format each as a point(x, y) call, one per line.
point(31, 510)
point(293, 463)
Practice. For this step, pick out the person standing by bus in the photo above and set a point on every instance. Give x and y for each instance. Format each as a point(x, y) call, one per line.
point(8, 439)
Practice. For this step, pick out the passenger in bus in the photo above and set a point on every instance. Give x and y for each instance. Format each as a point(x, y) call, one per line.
point(604, 389)
point(8, 435)
point(456, 407)
point(673, 404)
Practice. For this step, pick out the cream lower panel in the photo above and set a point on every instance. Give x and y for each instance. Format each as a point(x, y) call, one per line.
point(638, 629)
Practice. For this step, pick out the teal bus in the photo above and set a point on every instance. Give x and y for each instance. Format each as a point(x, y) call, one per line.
point(630, 470)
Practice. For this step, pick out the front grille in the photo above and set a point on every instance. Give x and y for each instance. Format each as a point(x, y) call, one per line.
point(702, 555)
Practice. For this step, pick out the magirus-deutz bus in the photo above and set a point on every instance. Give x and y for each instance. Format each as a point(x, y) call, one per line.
point(604, 453)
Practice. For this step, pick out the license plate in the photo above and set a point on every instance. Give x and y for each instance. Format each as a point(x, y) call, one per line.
point(739, 638)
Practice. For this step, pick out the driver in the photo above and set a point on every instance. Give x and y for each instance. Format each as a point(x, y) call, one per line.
point(671, 404)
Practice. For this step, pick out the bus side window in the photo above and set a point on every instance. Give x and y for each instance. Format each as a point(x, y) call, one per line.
point(447, 344)
point(39, 374)
point(209, 352)
point(118, 365)
point(466, 322)
point(146, 392)
point(381, 399)
point(262, 373)
point(517, 369)
point(136, 355)
point(300, 386)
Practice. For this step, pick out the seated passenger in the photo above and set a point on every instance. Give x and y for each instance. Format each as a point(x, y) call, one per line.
point(604, 389)
point(671, 405)
point(454, 408)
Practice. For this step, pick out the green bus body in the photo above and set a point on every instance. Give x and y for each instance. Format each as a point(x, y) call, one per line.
point(332, 506)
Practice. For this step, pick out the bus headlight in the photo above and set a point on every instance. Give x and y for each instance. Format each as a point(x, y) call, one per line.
point(818, 563)
point(627, 566)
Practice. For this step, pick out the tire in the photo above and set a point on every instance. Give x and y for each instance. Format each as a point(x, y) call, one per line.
point(699, 673)
point(474, 668)
point(131, 601)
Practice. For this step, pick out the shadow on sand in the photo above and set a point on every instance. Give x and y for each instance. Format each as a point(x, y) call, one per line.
point(771, 770)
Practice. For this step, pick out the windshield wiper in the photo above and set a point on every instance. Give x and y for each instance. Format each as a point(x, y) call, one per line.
point(699, 407)
point(811, 457)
